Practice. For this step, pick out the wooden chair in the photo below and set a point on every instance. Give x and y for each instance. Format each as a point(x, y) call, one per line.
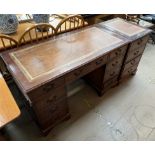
point(6, 42)
point(70, 23)
point(36, 33)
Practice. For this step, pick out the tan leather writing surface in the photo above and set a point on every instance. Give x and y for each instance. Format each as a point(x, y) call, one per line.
point(124, 27)
point(48, 57)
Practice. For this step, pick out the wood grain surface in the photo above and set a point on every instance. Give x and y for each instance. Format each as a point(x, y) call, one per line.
point(8, 107)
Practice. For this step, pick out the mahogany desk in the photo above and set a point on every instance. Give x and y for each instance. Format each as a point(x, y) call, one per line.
point(43, 71)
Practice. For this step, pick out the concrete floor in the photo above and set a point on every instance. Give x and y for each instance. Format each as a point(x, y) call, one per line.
point(126, 112)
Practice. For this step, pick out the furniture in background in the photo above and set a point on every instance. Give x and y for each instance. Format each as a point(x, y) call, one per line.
point(6, 43)
point(104, 54)
point(37, 32)
point(70, 23)
point(8, 107)
point(96, 18)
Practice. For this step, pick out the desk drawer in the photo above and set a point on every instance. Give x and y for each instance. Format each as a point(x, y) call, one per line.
point(132, 62)
point(118, 52)
point(130, 71)
point(138, 43)
point(46, 89)
point(80, 72)
point(134, 53)
point(114, 64)
point(109, 84)
point(53, 113)
point(47, 98)
point(109, 75)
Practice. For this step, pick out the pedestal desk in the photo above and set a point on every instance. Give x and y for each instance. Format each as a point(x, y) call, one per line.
point(99, 54)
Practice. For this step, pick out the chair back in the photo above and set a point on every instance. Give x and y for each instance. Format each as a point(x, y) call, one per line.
point(36, 33)
point(70, 23)
point(6, 42)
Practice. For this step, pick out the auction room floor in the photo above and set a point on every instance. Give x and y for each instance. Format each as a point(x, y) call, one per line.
point(126, 112)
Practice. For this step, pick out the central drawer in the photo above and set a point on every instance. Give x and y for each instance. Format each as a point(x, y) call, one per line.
point(80, 72)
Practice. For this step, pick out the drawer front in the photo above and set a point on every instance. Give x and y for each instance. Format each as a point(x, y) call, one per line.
point(138, 43)
point(118, 52)
point(132, 62)
point(47, 98)
point(109, 84)
point(76, 74)
point(130, 71)
point(114, 64)
point(52, 114)
point(109, 75)
point(47, 88)
point(100, 62)
point(134, 53)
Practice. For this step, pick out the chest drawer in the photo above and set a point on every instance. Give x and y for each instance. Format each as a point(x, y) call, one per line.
point(70, 77)
point(115, 63)
point(134, 53)
point(138, 43)
point(118, 52)
point(132, 62)
point(46, 89)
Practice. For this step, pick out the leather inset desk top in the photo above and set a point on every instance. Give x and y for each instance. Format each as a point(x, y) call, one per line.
point(123, 27)
point(48, 57)
point(38, 64)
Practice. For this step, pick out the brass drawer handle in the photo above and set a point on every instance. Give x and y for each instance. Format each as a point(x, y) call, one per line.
point(130, 71)
point(132, 62)
point(115, 63)
point(48, 87)
point(53, 107)
point(99, 62)
point(78, 73)
point(135, 53)
point(118, 52)
point(140, 41)
point(113, 73)
point(51, 99)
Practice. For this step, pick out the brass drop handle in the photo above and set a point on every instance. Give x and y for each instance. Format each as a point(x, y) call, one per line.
point(53, 107)
point(48, 87)
point(135, 53)
point(77, 73)
point(140, 41)
point(118, 52)
point(50, 100)
point(99, 62)
point(113, 73)
point(130, 71)
point(132, 62)
point(113, 64)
